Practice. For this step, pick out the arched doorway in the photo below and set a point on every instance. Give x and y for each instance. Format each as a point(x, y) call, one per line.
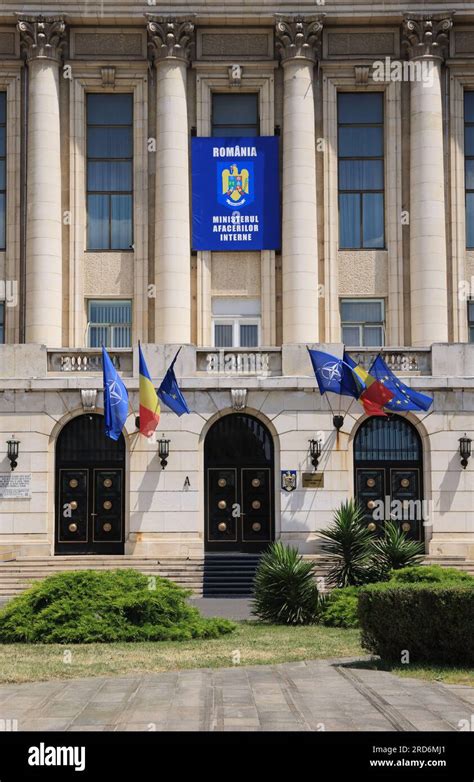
point(388, 465)
point(239, 485)
point(89, 489)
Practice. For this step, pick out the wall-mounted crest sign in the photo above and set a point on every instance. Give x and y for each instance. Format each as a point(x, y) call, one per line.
point(288, 480)
point(236, 193)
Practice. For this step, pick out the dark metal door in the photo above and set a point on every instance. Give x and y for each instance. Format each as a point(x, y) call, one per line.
point(388, 474)
point(89, 495)
point(239, 480)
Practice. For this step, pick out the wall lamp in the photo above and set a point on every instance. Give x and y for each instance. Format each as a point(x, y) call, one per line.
point(337, 421)
point(163, 451)
point(315, 452)
point(465, 450)
point(13, 449)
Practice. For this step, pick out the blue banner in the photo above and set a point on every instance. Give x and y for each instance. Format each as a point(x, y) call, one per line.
point(236, 193)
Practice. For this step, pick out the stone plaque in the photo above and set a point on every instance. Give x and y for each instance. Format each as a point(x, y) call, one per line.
point(351, 44)
point(313, 480)
point(15, 485)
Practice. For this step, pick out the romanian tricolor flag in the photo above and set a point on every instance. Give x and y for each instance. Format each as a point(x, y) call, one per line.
point(375, 395)
point(149, 402)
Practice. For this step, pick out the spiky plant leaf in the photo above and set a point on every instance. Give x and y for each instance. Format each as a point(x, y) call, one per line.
point(285, 590)
point(350, 542)
point(395, 550)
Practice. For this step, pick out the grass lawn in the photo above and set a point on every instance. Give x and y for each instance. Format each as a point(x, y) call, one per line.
point(439, 673)
point(257, 644)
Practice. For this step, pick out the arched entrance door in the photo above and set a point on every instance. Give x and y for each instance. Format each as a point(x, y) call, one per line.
point(89, 489)
point(239, 481)
point(388, 464)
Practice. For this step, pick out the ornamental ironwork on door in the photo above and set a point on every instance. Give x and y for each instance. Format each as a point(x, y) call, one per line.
point(89, 489)
point(239, 481)
point(388, 465)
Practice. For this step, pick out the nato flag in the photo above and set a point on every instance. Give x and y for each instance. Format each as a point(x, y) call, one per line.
point(333, 374)
point(115, 399)
point(170, 393)
point(405, 398)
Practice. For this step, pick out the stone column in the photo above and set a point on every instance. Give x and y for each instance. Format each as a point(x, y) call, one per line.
point(297, 40)
point(42, 39)
point(170, 41)
point(425, 37)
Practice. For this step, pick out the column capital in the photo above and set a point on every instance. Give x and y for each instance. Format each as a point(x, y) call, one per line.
point(42, 36)
point(298, 37)
point(170, 37)
point(426, 35)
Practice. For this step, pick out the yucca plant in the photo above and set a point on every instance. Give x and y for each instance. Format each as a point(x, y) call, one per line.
point(395, 550)
point(350, 542)
point(285, 590)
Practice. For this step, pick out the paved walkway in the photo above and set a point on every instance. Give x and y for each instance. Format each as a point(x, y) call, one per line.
point(306, 696)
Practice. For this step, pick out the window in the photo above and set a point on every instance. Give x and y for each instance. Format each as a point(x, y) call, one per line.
point(2, 323)
point(110, 324)
point(361, 170)
point(470, 320)
point(469, 165)
point(235, 114)
point(236, 322)
point(362, 322)
point(109, 171)
point(3, 167)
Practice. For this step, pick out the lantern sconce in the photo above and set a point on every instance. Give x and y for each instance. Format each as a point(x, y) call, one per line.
point(163, 451)
point(338, 421)
point(465, 450)
point(315, 452)
point(13, 449)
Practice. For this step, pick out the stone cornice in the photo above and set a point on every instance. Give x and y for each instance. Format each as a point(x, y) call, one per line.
point(298, 37)
point(170, 37)
point(42, 36)
point(426, 35)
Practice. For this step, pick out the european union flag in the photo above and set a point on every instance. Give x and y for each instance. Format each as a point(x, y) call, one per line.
point(115, 399)
point(170, 393)
point(333, 374)
point(405, 398)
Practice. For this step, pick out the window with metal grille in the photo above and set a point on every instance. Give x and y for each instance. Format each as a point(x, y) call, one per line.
point(362, 322)
point(469, 165)
point(235, 114)
point(3, 169)
point(361, 170)
point(470, 319)
point(110, 324)
point(109, 172)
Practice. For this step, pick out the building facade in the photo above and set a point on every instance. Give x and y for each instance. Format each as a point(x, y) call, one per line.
point(373, 108)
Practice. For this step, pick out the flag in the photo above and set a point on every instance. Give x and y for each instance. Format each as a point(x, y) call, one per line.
point(375, 395)
point(404, 398)
point(115, 399)
point(149, 402)
point(170, 393)
point(333, 374)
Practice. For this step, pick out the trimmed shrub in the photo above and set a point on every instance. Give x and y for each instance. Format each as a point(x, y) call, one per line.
point(285, 590)
point(429, 573)
point(87, 606)
point(434, 622)
point(339, 608)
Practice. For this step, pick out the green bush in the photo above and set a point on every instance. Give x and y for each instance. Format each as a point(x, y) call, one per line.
point(434, 622)
point(394, 550)
point(429, 573)
point(339, 608)
point(349, 541)
point(285, 590)
point(87, 606)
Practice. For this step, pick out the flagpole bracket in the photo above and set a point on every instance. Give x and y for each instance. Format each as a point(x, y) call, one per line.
point(137, 422)
point(338, 421)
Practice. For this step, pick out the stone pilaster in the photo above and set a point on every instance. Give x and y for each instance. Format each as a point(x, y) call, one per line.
point(170, 41)
point(297, 41)
point(425, 38)
point(42, 39)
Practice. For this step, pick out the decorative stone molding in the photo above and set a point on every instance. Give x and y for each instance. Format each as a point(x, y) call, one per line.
point(298, 37)
point(238, 398)
point(108, 76)
point(42, 37)
point(88, 399)
point(361, 73)
point(170, 37)
point(426, 35)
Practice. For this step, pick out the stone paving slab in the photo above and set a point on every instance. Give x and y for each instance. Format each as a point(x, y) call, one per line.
point(331, 695)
